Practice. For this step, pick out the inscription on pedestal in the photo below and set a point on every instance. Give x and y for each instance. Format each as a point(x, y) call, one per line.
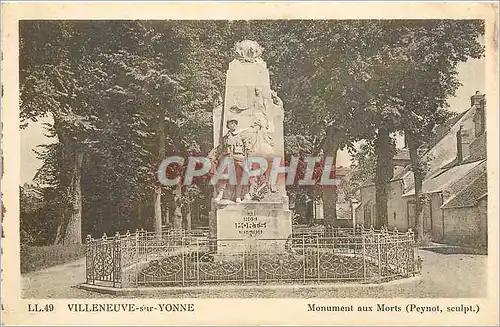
point(245, 229)
point(250, 225)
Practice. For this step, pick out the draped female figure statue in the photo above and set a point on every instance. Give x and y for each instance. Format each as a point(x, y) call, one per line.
point(259, 136)
point(261, 132)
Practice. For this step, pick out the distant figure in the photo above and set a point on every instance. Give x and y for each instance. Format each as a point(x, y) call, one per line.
point(277, 100)
point(418, 264)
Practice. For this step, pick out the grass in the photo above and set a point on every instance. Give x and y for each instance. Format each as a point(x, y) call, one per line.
point(34, 258)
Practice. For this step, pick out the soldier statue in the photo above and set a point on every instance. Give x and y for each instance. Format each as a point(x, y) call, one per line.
point(233, 146)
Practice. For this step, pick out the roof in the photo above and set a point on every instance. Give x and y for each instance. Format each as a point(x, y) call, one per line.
point(401, 173)
point(445, 178)
point(470, 195)
point(444, 149)
point(443, 129)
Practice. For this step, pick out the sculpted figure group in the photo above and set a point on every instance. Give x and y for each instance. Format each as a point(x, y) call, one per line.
point(256, 140)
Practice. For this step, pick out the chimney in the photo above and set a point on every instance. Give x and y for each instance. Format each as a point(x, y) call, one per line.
point(459, 145)
point(477, 99)
point(463, 141)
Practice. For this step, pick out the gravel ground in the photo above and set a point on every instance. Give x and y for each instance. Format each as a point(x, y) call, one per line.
point(443, 275)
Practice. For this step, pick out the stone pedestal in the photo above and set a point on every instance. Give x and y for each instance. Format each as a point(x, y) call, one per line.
point(252, 227)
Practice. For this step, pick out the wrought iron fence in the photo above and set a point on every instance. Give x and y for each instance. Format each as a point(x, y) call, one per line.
point(183, 258)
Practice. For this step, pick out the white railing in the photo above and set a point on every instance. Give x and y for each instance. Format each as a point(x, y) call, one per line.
point(191, 258)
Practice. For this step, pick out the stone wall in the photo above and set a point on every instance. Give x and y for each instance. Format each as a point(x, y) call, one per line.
point(345, 215)
point(466, 226)
point(367, 198)
point(396, 206)
point(437, 222)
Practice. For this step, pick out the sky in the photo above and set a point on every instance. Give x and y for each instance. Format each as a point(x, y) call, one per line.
point(471, 74)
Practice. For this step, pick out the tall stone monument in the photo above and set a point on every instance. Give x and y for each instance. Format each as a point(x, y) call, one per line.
point(260, 211)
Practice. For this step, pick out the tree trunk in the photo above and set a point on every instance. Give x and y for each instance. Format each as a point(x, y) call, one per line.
point(139, 213)
point(157, 207)
point(70, 229)
point(418, 177)
point(167, 216)
point(158, 190)
point(329, 192)
point(384, 174)
point(177, 221)
point(310, 212)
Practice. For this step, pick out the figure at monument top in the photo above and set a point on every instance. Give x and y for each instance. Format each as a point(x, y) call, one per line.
point(248, 51)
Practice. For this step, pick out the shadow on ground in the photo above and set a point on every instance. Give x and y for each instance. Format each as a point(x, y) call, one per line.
point(450, 249)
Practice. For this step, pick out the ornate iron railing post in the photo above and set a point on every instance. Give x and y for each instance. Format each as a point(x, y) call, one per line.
point(104, 245)
point(142, 242)
point(198, 261)
point(304, 257)
point(384, 245)
point(115, 252)
point(89, 262)
point(363, 244)
point(125, 258)
point(318, 273)
point(411, 252)
point(136, 244)
point(243, 264)
point(332, 240)
point(183, 262)
point(136, 257)
point(258, 263)
point(379, 259)
point(399, 268)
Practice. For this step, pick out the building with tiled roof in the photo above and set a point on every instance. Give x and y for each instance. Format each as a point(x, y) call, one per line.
point(455, 185)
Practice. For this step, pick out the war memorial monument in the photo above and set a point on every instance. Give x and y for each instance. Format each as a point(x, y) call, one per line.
point(250, 238)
